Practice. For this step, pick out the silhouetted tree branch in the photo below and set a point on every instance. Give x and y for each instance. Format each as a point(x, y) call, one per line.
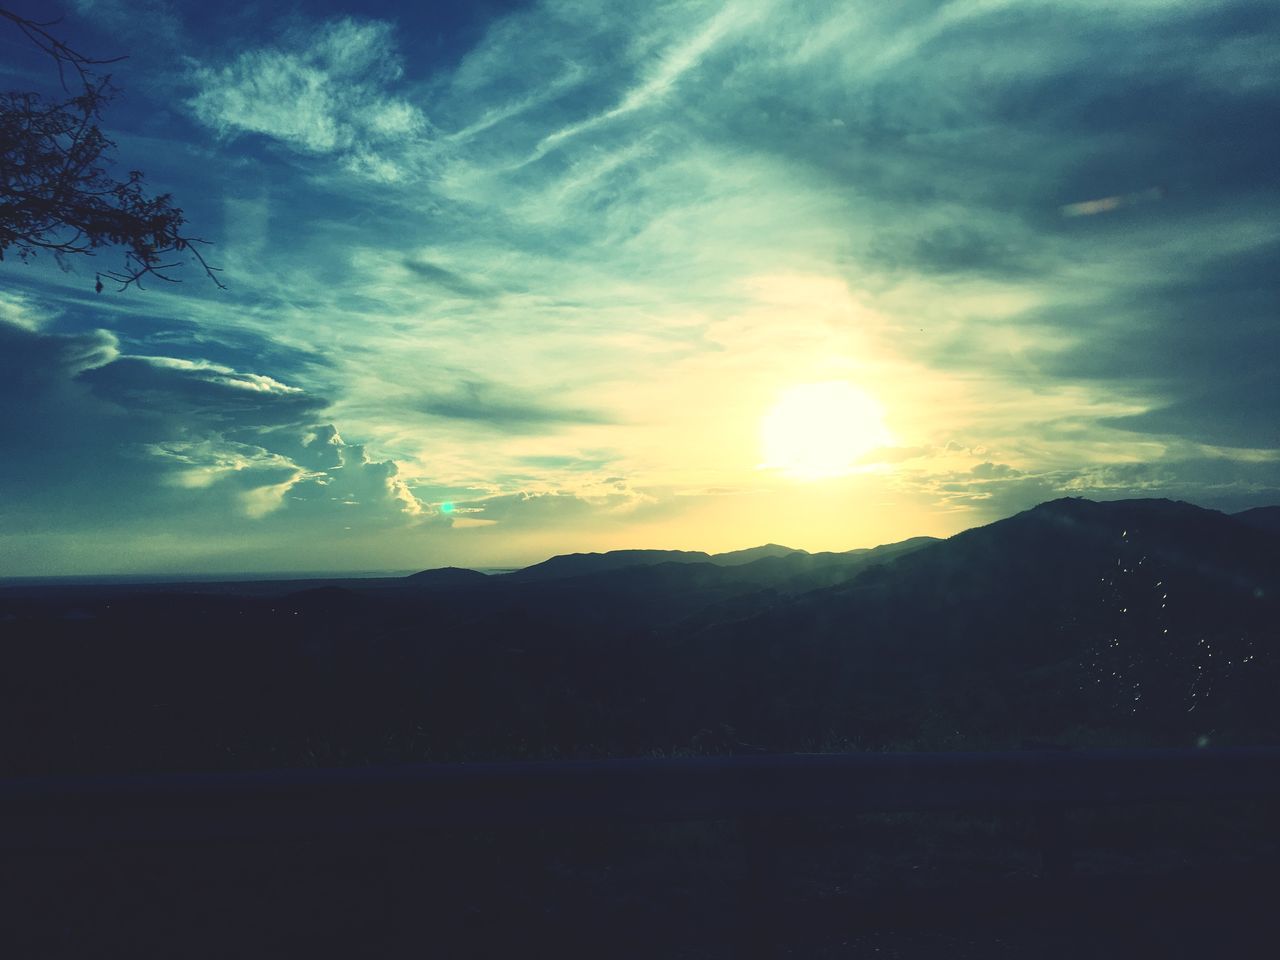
point(56, 194)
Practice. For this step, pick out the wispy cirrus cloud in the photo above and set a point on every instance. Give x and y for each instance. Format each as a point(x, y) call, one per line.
point(494, 406)
point(662, 74)
point(324, 91)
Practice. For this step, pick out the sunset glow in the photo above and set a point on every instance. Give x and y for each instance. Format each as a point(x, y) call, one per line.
point(512, 279)
point(818, 430)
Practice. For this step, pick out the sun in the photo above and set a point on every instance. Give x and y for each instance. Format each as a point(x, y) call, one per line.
point(818, 430)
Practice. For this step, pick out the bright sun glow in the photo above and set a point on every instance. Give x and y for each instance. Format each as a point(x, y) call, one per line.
point(818, 430)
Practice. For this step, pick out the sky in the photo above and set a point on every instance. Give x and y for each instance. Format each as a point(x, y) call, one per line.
point(505, 280)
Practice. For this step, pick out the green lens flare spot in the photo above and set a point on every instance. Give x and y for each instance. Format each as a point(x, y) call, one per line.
point(446, 507)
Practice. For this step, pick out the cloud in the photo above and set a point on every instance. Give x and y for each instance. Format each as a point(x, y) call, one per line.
point(544, 462)
point(611, 500)
point(988, 470)
point(33, 364)
point(725, 200)
point(447, 280)
point(355, 480)
point(99, 438)
point(991, 491)
point(260, 479)
point(324, 92)
point(1199, 347)
point(661, 76)
point(958, 251)
point(1091, 208)
point(249, 430)
point(1239, 413)
point(18, 310)
point(500, 408)
point(198, 392)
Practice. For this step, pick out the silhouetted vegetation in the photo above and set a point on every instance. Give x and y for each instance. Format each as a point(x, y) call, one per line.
point(57, 195)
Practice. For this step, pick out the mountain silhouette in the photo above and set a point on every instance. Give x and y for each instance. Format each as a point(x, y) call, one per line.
point(1138, 622)
point(1264, 518)
point(735, 557)
point(578, 564)
point(1147, 616)
point(770, 563)
point(446, 577)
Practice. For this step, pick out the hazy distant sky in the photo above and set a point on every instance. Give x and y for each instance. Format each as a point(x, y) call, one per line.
point(514, 279)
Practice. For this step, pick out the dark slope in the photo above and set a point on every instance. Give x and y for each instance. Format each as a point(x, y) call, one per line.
point(680, 594)
point(446, 577)
point(780, 561)
point(1152, 617)
point(585, 564)
point(1134, 622)
point(1263, 518)
point(580, 564)
point(1060, 554)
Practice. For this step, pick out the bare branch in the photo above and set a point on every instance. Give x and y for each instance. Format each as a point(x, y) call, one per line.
point(56, 194)
point(62, 54)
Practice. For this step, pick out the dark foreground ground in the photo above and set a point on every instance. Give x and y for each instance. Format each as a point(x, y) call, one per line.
point(1135, 624)
point(1170, 881)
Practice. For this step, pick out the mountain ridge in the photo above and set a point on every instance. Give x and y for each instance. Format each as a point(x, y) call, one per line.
point(1142, 622)
point(1063, 511)
point(573, 565)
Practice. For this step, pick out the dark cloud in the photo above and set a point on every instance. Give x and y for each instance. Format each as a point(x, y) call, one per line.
point(53, 427)
point(198, 392)
point(166, 336)
point(1239, 413)
point(1203, 344)
point(32, 364)
point(990, 470)
point(956, 250)
point(164, 444)
point(1112, 104)
point(448, 280)
point(1208, 317)
point(500, 408)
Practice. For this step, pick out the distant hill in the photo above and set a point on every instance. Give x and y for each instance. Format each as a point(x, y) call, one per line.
point(1134, 622)
point(735, 557)
point(447, 577)
point(585, 564)
point(580, 564)
point(764, 563)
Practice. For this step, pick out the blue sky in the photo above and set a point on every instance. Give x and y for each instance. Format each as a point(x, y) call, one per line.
point(694, 275)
